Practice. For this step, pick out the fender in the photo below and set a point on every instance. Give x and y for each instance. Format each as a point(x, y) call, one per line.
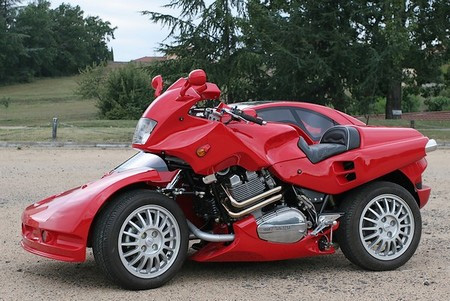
point(58, 227)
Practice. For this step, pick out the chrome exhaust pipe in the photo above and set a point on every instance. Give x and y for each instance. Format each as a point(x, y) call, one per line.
point(252, 200)
point(253, 208)
point(197, 233)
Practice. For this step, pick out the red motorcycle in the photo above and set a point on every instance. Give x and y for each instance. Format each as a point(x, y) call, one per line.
point(241, 189)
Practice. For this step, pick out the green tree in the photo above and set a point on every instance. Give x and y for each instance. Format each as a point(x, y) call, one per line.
point(309, 48)
point(11, 44)
point(207, 35)
point(399, 35)
point(36, 40)
point(35, 22)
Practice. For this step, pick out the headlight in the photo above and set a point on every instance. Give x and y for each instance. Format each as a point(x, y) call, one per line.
point(143, 130)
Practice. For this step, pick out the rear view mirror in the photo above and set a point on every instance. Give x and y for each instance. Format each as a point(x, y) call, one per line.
point(197, 77)
point(157, 85)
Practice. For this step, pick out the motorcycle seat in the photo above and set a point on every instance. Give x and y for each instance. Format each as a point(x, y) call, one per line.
point(336, 140)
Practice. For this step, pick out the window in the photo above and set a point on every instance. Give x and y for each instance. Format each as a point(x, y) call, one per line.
point(313, 123)
point(277, 114)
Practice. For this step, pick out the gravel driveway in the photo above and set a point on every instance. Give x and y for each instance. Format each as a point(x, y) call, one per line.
point(29, 175)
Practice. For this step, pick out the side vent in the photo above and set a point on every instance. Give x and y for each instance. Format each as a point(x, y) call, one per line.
point(344, 171)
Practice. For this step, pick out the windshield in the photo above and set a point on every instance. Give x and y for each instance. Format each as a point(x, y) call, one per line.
point(142, 159)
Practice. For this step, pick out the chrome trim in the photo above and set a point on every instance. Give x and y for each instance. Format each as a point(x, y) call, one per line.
point(208, 236)
point(431, 146)
point(175, 180)
point(251, 200)
point(325, 220)
point(285, 225)
point(253, 208)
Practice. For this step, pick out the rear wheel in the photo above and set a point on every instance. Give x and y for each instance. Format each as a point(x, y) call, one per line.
point(141, 239)
point(381, 227)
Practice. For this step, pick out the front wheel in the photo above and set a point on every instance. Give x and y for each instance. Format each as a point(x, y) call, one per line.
point(140, 239)
point(381, 227)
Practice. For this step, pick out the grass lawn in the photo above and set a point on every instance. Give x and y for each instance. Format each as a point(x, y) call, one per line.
point(439, 130)
point(32, 107)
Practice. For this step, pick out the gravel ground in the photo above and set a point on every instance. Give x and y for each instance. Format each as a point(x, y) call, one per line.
point(29, 175)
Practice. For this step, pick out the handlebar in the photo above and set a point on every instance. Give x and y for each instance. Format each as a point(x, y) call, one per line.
point(238, 114)
point(253, 119)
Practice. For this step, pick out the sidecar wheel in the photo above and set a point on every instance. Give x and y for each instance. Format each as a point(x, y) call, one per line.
point(381, 227)
point(140, 239)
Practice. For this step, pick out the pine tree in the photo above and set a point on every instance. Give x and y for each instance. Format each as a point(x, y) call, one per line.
point(208, 36)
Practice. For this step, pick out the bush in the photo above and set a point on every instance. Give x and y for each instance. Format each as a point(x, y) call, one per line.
point(122, 93)
point(437, 103)
point(379, 106)
point(411, 103)
point(91, 81)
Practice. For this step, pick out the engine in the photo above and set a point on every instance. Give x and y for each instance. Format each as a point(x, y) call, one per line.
point(280, 214)
point(285, 225)
point(248, 185)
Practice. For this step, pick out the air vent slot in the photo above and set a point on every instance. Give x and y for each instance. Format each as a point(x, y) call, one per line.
point(345, 171)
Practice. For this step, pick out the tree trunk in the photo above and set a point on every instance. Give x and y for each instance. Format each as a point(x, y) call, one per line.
point(394, 99)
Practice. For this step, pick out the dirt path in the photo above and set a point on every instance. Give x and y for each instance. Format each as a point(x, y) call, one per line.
point(29, 175)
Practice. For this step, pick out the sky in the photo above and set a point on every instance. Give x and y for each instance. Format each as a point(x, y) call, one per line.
point(135, 35)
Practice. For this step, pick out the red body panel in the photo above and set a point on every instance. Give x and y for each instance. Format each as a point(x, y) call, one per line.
point(379, 155)
point(68, 216)
point(247, 246)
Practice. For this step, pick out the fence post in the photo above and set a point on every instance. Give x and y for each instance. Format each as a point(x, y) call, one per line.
point(54, 127)
point(412, 124)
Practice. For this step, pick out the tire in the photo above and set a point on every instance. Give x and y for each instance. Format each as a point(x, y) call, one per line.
point(140, 239)
point(381, 227)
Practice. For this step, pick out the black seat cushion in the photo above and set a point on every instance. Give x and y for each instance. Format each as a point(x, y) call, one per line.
point(341, 134)
point(319, 152)
point(334, 141)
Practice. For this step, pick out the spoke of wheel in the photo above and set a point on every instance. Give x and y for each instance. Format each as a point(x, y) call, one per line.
point(167, 230)
point(394, 244)
point(136, 259)
point(387, 248)
point(167, 248)
point(404, 226)
point(156, 221)
point(135, 226)
point(164, 257)
point(374, 212)
point(169, 239)
point(387, 205)
point(381, 208)
point(157, 262)
point(400, 209)
point(150, 221)
point(403, 233)
point(369, 228)
point(163, 224)
point(144, 224)
point(129, 244)
point(131, 252)
point(150, 264)
point(142, 264)
point(375, 242)
point(380, 245)
point(371, 236)
point(370, 220)
point(400, 242)
point(403, 218)
point(131, 234)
